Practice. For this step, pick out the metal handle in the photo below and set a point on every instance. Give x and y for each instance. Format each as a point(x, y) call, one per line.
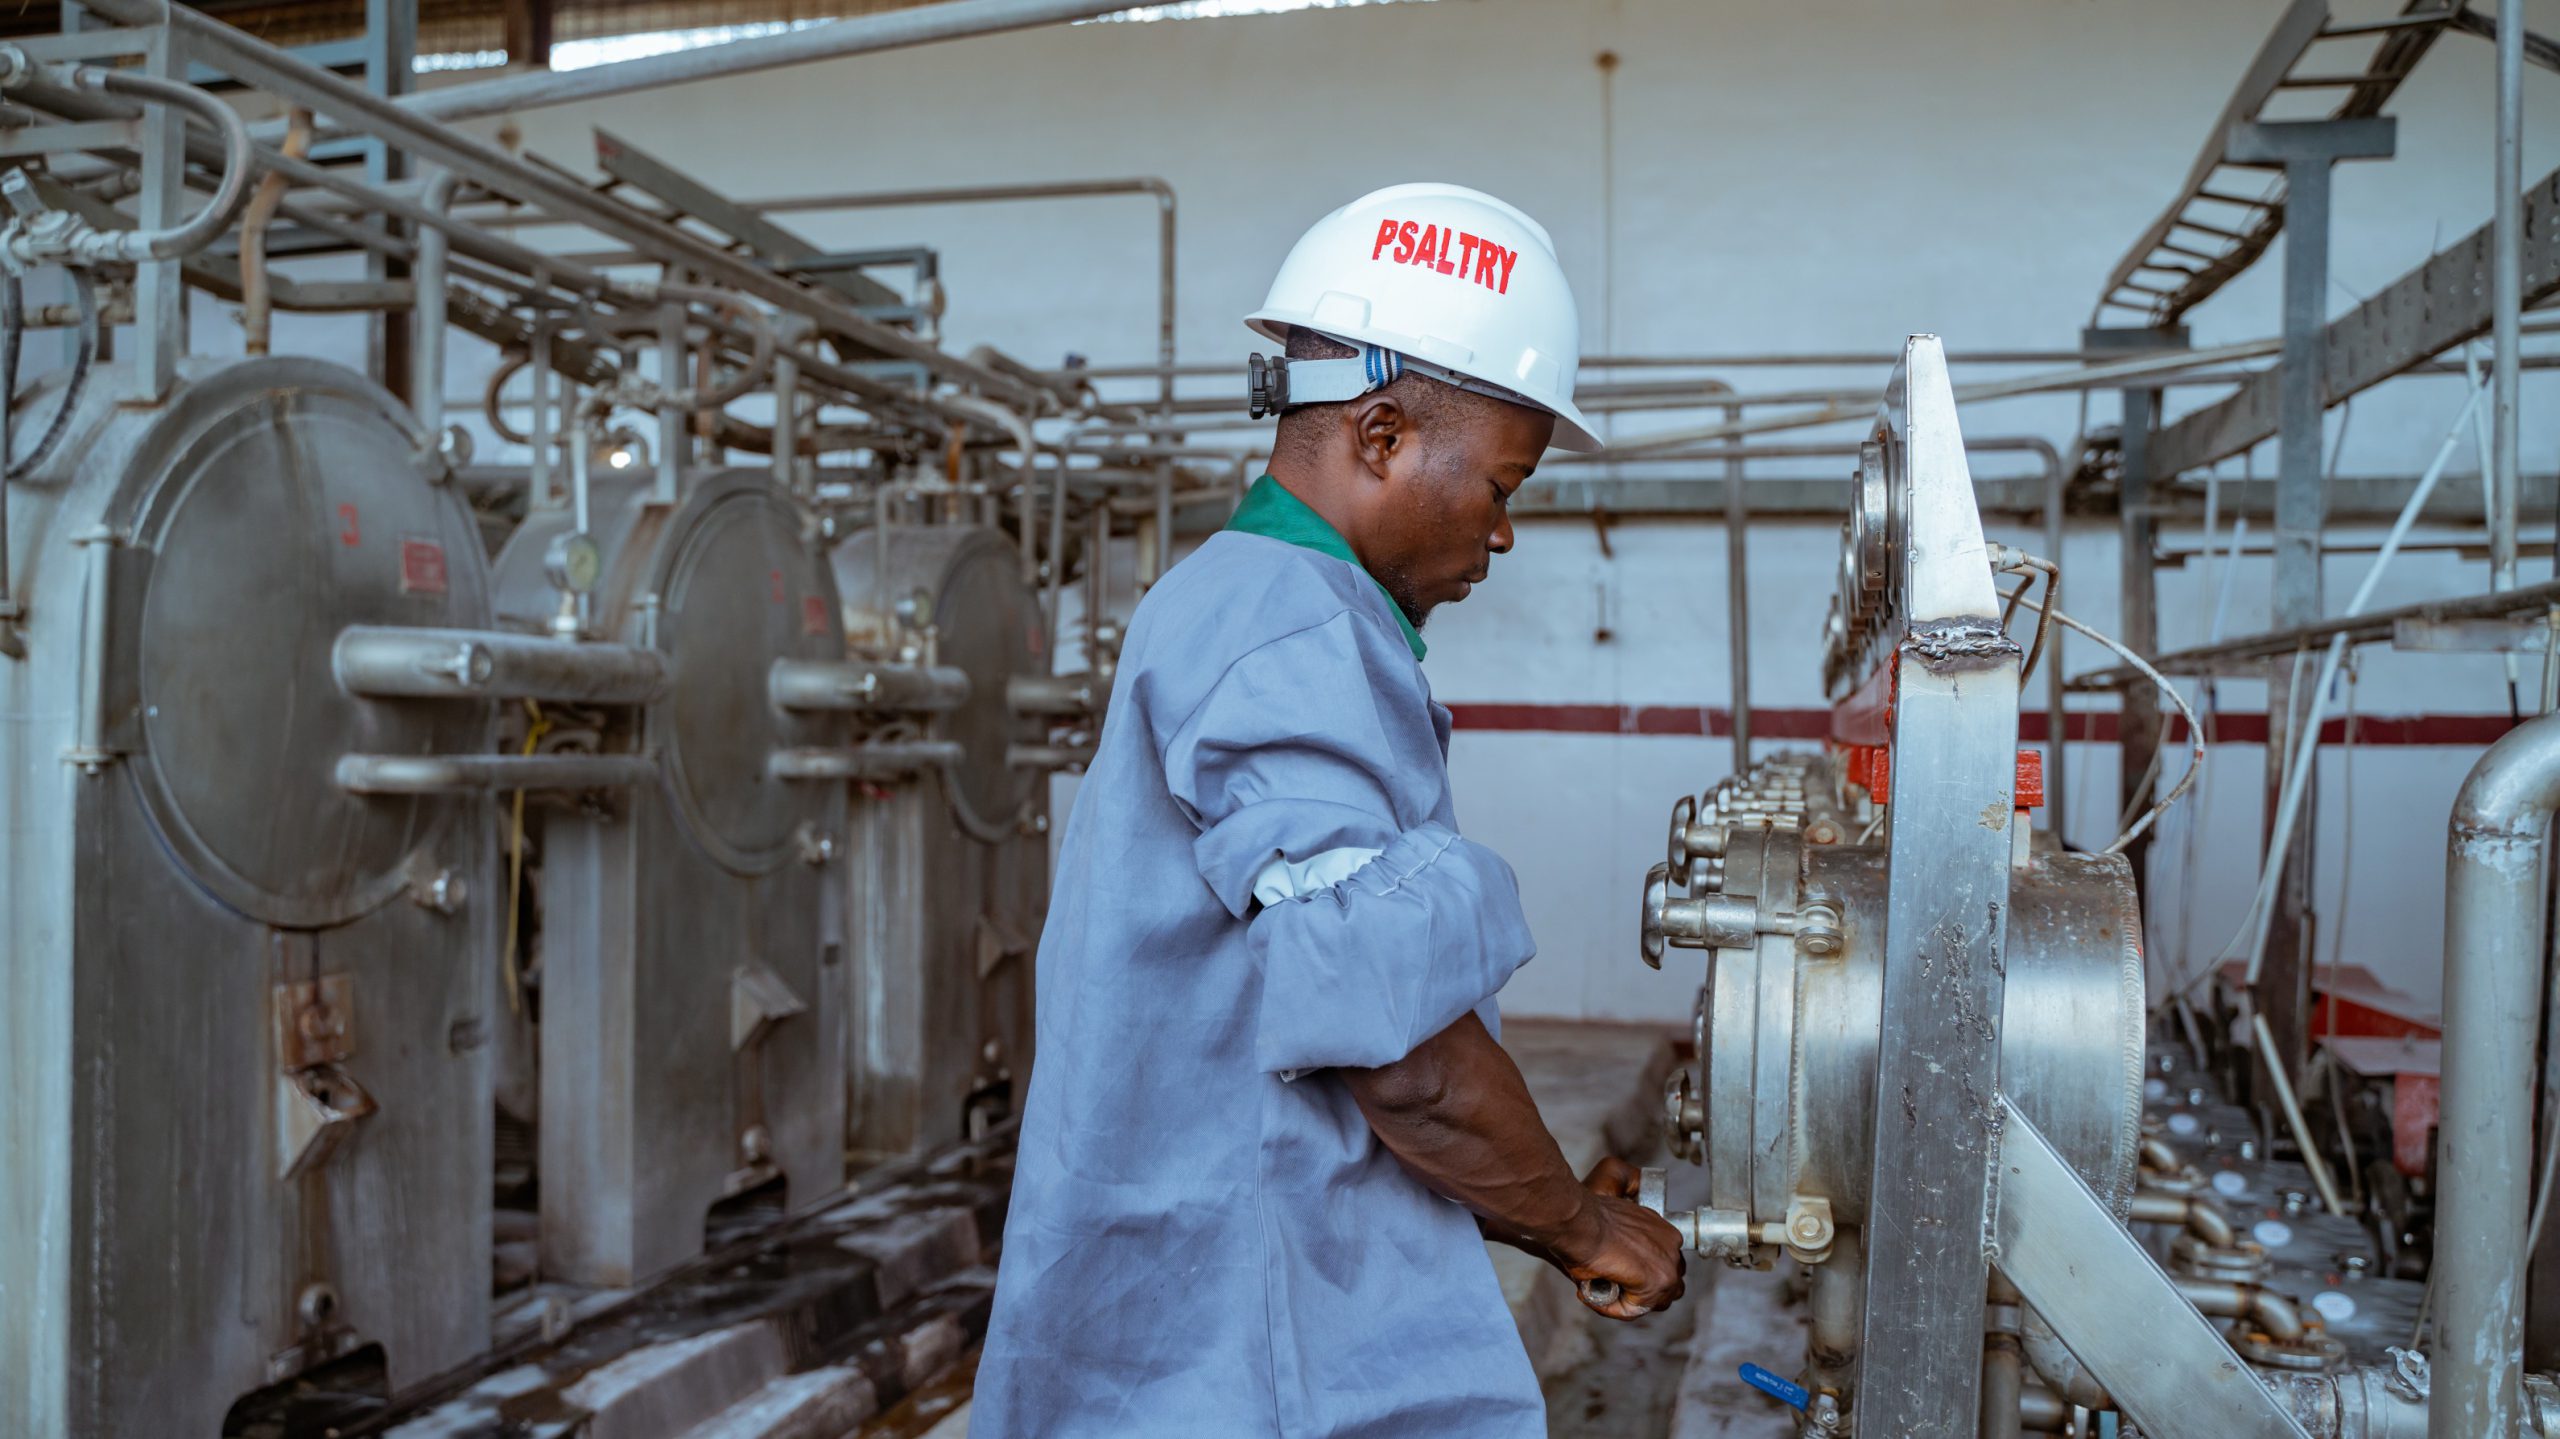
point(1601, 1293)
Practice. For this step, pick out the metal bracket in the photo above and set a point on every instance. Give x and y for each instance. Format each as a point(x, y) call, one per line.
point(2113, 1307)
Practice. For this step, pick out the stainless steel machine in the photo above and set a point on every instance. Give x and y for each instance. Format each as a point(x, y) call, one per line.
point(693, 957)
point(253, 960)
point(1920, 1041)
point(314, 807)
point(949, 879)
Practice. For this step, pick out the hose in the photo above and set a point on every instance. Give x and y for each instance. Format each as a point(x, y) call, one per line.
point(230, 193)
point(85, 291)
point(2195, 727)
point(257, 309)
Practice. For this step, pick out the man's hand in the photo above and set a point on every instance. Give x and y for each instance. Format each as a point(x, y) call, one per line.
point(1623, 1242)
point(1456, 1112)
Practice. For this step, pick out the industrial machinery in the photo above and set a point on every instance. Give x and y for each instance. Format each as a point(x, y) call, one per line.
point(692, 1023)
point(317, 811)
point(950, 872)
point(1921, 1053)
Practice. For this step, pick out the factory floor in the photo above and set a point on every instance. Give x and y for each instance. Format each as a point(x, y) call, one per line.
point(1669, 1377)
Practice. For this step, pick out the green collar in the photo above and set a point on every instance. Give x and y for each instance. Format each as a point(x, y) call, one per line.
point(1269, 510)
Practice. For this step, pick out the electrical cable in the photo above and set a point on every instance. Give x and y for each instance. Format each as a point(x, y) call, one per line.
point(2195, 728)
point(85, 291)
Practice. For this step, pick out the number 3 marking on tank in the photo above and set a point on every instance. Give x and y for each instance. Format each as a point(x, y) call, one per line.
point(348, 532)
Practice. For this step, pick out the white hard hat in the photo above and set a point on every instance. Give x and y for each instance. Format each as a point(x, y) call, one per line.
point(1458, 284)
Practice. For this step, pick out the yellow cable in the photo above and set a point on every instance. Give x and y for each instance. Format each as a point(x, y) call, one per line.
point(515, 864)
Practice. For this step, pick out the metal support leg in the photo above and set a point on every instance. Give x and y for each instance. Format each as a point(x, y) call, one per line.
point(159, 290)
point(390, 61)
point(2506, 296)
point(2305, 151)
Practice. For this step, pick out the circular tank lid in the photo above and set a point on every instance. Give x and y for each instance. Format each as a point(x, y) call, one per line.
point(740, 587)
point(276, 504)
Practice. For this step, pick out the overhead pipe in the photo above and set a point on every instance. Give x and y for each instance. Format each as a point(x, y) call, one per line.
point(257, 313)
point(863, 35)
point(428, 321)
point(1165, 367)
point(2495, 849)
point(88, 246)
point(257, 63)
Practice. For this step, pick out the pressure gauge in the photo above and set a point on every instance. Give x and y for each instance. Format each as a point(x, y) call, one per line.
point(574, 561)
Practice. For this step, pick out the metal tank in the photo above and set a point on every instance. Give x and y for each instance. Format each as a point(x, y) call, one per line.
point(692, 965)
point(246, 1007)
point(949, 880)
point(1790, 1020)
point(1920, 1037)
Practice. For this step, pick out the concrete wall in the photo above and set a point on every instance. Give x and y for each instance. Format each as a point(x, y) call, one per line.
point(1816, 175)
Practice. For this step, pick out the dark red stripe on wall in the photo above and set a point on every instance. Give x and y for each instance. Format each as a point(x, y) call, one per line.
point(2097, 727)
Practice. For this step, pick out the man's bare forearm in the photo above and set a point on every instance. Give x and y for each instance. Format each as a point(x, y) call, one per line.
point(1460, 1117)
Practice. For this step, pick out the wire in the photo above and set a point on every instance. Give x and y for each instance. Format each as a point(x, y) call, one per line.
point(2195, 727)
point(534, 731)
point(85, 292)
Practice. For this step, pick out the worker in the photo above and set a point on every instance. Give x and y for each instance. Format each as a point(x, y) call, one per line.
point(1270, 1125)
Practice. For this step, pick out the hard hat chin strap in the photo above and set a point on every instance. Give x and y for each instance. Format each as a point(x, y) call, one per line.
point(1279, 383)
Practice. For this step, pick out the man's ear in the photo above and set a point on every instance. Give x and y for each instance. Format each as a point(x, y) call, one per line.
point(1381, 430)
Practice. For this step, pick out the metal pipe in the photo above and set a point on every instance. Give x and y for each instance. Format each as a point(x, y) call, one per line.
point(257, 314)
point(1737, 559)
point(864, 35)
point(428, 317)
point(2495, 849)
point(2004, 1381)
point(257, 63)
point(2109, 374)
point(2506, 295)
point(475, 773)
point(396, 662)
point(865, 687)
point(1055, 695)
point(1165, 367)
point(2273, 1313)
point(230, 191)
point(1838, 1303)
point(2195, 1213)
point(2041, 1411)
point(879, 760)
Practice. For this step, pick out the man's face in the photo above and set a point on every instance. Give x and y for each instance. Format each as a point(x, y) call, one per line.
point(1445, 507)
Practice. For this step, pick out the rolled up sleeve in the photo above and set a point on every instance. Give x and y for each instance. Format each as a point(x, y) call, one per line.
point(1323, 740)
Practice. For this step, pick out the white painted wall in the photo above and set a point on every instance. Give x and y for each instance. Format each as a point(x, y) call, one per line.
point(1816, 175)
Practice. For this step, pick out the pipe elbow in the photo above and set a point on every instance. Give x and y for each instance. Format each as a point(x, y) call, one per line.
point(2206, 1221)
point(2512, 791)
point(2276, 1314)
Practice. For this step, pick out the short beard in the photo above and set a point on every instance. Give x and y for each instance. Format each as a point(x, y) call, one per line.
point(1399, 587)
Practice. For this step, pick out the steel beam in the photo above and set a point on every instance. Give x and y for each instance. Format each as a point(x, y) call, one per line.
point(2247, 652)
point(2422, 314)
point(2159, 1359)
point(691, 198)
point(2306, 151)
